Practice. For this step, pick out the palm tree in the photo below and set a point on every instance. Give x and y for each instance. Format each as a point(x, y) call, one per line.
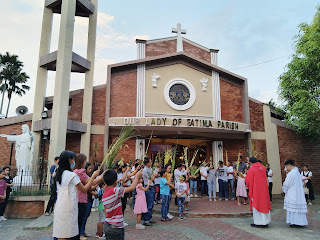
point(12, 79)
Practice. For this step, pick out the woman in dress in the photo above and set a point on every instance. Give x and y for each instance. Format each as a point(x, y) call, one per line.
point(65, 220)
point(307, 175)
point(9, 183)
point(140, 205)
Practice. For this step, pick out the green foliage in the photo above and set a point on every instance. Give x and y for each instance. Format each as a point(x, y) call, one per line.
point(12, 79)
point(113, 150)
point(300, 83)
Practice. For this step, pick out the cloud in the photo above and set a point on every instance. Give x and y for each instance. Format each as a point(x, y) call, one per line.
point(21, 24)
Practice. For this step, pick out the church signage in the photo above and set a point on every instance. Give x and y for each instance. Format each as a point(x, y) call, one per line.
point(178, 122)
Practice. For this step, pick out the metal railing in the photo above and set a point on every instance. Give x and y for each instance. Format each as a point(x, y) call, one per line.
point(31, 181)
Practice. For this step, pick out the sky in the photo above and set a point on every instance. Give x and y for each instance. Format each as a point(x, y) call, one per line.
point(245, 32)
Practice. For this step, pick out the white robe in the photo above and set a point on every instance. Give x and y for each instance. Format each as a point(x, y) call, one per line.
point(294, 200)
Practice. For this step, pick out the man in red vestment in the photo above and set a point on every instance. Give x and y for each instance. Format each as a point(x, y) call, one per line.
point(256, 181)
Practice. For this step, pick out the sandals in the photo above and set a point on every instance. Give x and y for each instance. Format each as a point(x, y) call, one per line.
point(239, 204)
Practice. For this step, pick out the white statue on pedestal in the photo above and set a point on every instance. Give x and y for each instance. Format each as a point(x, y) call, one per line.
point(24, 145)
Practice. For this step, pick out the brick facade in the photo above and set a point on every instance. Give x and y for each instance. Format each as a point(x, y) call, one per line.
point(233, 148)
point(295, 147)
point(123, 96)
point(170, 46)
point(98, 154)
point(231, 102)
point(256, 116)
point(260, 147)
point(73, 142)
point(75, 112)
point(99, 106)
point(127, 152)
point(161, 48)
point(196, 52)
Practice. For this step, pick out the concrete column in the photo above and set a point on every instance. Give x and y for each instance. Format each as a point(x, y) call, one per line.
point(217, 156)
point(62, 81)
point(273, 155)
point(141, 48)
point(88, 88)
point(41, 82)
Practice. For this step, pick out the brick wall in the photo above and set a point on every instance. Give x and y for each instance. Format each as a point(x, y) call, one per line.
point(99, 106)
point(233, 148)
point(161, 48)
point(260, 148)
point(256, 116)
point(5, 146)
point(75, 112)
point(231, 102)
point(293, 146)
point(196, 52)
point(128, 150)
point(123, 95)
point(73, 142)
point(99, 140)
point(24, 209)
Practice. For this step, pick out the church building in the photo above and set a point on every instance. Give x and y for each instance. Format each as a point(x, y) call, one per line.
point(176, 94)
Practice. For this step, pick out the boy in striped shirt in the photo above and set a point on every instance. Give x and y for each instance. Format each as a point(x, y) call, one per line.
point(113, 226)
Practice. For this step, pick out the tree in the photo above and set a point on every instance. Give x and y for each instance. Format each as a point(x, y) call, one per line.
point(300, 83)
point(12, 79)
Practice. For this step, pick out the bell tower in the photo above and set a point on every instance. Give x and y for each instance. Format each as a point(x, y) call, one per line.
point(63, 62)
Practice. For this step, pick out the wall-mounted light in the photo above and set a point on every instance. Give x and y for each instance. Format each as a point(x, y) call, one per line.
point(45, 132)
point(220, 146)
point(44, 115)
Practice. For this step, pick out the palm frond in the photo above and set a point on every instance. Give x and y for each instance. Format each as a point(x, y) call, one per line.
point(116, 145)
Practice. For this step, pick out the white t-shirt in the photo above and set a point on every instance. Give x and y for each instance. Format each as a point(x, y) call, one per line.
point(181, 187)
point(120, 175)
point(177, 173)
point(230, 170)
point(306, 173)
point(157, 179)
point(73, 192)
point(270, 178)
point(204, 171)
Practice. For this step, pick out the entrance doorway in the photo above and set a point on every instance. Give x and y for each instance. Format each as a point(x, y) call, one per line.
point(158, 146)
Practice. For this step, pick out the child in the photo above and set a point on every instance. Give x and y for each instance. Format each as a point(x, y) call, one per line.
point(141, 203)
point(113, 226)
point(212, 174)
point(101, 213)
point(188, 195)
point(165, 194)
point(3, 187)
point(181, 189)
point(241, 189)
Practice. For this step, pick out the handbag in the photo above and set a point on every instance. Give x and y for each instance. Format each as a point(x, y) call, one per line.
point(306, 190)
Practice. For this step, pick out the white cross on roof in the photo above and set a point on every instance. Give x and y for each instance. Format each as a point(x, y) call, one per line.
point(179, 33)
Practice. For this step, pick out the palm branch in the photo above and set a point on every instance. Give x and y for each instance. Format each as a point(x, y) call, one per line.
point(116, 145)
point(173, 159)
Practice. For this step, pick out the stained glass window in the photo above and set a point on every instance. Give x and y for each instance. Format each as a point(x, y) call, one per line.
point(179, 94)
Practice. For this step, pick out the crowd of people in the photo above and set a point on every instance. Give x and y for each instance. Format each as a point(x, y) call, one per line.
point(75, 184)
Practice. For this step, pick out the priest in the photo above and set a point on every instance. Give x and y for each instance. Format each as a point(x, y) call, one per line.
point(256, 181)
point(294, 200)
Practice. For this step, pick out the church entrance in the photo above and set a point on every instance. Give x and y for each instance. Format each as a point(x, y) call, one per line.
point(159, 146)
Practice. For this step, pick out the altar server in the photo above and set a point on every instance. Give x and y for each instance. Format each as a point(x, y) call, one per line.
point(294, 200)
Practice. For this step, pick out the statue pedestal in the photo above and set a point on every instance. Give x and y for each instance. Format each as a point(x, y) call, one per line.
point(23, 178)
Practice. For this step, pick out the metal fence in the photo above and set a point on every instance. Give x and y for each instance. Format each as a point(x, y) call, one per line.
point(31, 181)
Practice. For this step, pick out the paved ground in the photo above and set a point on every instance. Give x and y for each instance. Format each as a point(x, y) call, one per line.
point(192, 228)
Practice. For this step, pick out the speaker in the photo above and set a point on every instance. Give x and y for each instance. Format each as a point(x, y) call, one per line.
point(21, 110)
